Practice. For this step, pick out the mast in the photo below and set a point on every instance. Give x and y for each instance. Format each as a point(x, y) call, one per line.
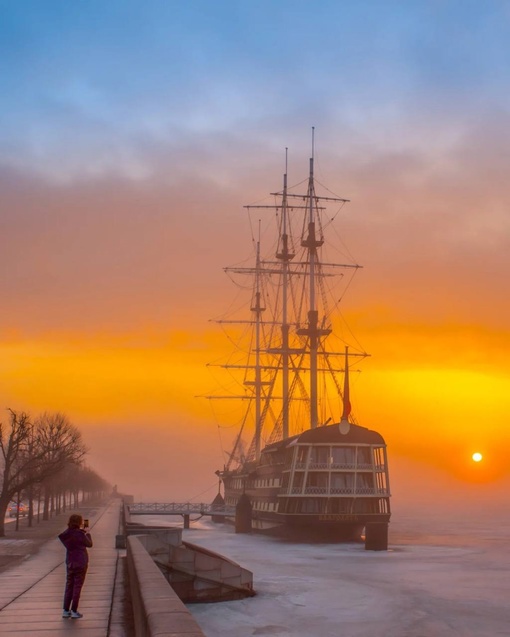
point(256, 347)
point(312, 311)
point(345, 425)
point(311, 243)
point(257, 309)
point(285, 256)
point(346, 397)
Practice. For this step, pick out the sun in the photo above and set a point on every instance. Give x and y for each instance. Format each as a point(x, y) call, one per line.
point(477, 457)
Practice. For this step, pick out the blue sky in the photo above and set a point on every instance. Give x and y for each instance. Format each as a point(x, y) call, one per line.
point(163, 111)
point(174, 114)
point(82, 79)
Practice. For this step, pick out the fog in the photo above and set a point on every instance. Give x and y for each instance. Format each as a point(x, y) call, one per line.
point(157, 463)
point(178, 464)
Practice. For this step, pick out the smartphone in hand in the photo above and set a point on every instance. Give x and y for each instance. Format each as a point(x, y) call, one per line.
point(85, 524)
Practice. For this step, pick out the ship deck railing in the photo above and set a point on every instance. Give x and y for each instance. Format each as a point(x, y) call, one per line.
point(301, 466)
point(339, 491)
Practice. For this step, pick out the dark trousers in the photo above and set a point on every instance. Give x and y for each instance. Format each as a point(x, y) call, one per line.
point(74, 583)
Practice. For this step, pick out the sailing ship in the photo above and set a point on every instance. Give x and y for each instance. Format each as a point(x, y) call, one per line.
point(310, 471)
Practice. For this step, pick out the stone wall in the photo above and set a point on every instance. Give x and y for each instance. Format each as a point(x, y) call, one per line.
point(156, 607)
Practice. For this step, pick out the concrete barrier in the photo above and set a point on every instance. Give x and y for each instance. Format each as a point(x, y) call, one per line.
point(157, 609)
point(195, 573)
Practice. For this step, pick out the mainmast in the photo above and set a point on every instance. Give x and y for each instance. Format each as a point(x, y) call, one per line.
point(312, 243)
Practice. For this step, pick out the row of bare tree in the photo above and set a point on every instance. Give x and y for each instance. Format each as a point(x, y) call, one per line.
point(42, 462)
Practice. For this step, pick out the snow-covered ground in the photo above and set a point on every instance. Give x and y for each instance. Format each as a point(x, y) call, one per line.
point(443, 576)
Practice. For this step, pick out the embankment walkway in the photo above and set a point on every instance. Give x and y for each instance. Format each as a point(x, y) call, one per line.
point(31, 592)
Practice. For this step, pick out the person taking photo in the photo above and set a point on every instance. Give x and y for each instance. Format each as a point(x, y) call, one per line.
point(76, 538)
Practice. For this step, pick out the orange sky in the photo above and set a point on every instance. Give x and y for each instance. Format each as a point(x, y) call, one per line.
point(106, 317)
point(436, 392)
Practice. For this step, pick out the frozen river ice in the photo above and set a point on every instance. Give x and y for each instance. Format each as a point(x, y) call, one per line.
point(437, 580)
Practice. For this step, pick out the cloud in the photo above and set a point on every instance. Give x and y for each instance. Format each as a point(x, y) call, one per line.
point(113, 250)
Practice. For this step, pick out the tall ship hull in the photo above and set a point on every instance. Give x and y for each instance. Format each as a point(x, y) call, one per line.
point(310, 470)
point(322, 484)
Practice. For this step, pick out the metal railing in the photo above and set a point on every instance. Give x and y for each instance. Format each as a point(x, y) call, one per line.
point(343, 466)
point(338, 491)
point(179, 508)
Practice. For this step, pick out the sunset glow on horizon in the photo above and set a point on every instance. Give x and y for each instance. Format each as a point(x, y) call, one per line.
point(128, 155)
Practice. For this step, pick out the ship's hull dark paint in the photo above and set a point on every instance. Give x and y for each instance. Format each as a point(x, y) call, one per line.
point(314, 530)
point(343, 527)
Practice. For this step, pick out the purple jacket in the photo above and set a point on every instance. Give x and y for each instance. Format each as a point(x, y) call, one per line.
point(76, 542)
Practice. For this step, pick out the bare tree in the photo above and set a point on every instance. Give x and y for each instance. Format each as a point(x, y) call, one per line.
point(34, 452)
point(92, 484)
point(63, 445)
point(14, 445)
